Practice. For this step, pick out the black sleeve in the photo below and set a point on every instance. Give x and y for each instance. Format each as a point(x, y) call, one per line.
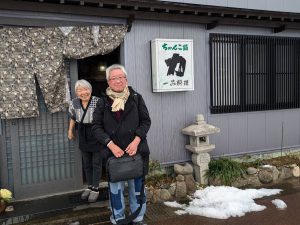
point(144, 118)
point(97, 124)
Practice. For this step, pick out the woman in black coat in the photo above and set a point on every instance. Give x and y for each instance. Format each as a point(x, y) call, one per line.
point(121, 122)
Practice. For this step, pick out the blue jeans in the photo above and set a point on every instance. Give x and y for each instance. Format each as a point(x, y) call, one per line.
point(117, 199)
point(92, 164)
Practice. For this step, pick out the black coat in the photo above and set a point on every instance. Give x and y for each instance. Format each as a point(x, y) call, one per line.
point(134, 121)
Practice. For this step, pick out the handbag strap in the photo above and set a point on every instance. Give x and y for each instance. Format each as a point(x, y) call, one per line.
point(132, 216)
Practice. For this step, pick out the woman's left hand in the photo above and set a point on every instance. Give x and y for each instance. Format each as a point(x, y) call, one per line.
point(71, 134)
point(132, 147)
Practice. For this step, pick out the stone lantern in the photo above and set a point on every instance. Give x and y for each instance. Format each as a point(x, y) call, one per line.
point(200, 146)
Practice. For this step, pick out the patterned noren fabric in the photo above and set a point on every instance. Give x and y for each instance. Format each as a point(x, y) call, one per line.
point(26, 53)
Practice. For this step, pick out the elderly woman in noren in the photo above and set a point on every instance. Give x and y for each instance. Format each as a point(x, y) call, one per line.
point(81, 111)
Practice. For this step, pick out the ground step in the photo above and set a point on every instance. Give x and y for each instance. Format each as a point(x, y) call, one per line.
point(86, 216)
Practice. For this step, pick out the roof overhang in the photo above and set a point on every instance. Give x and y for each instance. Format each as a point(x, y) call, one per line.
point(211, 16)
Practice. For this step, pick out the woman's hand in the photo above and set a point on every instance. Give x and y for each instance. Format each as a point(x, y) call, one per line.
point(116, 150)
point(132, 147)
point(71, 128)
point(71, 134)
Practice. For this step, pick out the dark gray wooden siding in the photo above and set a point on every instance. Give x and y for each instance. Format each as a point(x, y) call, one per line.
point(171, 111)
point(253, 132)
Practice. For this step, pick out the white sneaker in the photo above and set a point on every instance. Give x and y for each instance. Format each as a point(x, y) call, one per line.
point(85, 194)
point(93, 196)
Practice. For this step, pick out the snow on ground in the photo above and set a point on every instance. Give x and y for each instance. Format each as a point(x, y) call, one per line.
point(279, 204)
point(223, 202)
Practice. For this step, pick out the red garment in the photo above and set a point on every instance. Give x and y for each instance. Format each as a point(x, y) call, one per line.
point(117, 113)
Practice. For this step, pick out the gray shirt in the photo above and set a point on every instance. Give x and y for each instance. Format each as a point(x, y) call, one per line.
point(76, 110)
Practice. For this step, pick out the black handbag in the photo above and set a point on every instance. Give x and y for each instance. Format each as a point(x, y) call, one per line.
point(125, 168)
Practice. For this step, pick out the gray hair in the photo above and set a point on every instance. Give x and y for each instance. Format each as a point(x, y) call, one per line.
point(83, 83)
point(115, 67)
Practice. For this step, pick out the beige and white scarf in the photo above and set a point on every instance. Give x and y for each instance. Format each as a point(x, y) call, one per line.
point(119, 98)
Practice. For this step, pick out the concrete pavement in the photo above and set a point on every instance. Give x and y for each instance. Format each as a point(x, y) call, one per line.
point(159, 214)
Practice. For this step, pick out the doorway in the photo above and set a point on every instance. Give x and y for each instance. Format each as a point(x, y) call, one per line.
point(93, 69)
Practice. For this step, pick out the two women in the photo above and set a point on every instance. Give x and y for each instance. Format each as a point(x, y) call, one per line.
point(120, 122)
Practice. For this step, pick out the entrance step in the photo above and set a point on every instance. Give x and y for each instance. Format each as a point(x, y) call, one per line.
point(52, 206)
point(91, 214)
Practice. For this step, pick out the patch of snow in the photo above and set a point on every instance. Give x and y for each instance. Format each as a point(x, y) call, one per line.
point(180, 212)
point(267, 166)
point(174, 204)
point(279, 204)
point(223, 202)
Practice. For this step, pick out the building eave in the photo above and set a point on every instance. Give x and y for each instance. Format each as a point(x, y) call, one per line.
point(211, 16)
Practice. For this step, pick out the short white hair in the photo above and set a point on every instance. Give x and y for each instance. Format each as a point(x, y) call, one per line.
point(115, 67)
point(83, 83)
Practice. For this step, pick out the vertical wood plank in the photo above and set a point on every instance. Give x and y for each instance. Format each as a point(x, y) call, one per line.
point(291, 132)
point(256, 131)
point(273, 129)
point(237, 133)
point(220, 139)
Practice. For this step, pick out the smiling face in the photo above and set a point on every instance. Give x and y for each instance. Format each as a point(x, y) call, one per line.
point(117, 80)
point(83, 93)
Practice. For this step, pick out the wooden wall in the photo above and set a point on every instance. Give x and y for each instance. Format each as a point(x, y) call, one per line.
point(241, 133)
point(170, 112)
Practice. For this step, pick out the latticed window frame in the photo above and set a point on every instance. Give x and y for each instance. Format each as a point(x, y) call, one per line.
point(253, 73)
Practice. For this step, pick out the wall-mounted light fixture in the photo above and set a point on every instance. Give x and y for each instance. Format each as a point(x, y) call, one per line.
point(100, 73)
point(102, 66)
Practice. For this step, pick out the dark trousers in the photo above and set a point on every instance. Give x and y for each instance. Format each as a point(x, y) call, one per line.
point(92, 165)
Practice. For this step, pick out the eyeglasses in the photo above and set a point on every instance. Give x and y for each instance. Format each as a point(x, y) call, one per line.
point(116, 78)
